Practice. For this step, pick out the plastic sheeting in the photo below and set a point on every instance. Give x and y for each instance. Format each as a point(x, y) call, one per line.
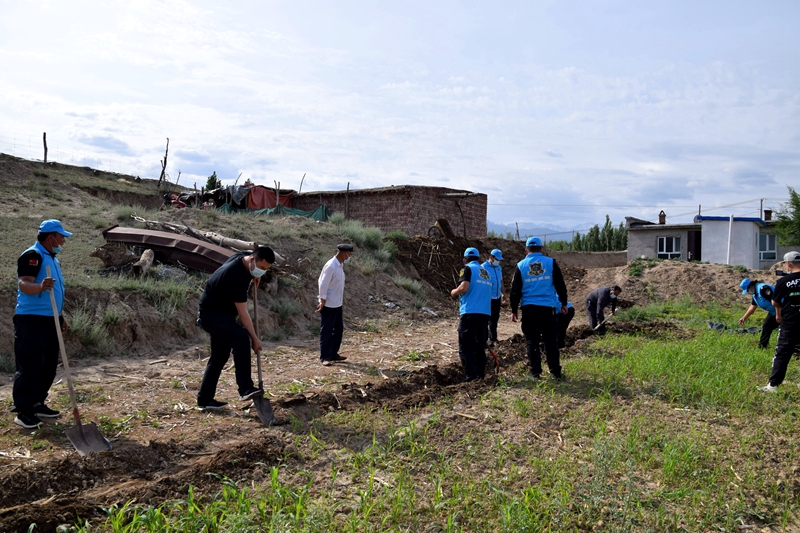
point(261, 197)
point(321, 213)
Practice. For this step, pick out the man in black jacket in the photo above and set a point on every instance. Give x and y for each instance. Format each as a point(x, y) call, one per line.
point(596, 302)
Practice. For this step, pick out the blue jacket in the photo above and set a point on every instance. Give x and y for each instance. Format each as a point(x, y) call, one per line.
point(496, 273)
point(478, 298)
point(764, 302)
point(537, 281)
point(39, 304)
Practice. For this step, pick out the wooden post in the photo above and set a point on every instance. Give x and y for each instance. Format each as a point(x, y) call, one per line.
point(164, 165)
point(347, 202)
point(44, 140)
point(301, 183)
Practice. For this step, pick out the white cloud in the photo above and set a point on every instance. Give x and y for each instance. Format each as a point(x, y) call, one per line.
point(422, 94)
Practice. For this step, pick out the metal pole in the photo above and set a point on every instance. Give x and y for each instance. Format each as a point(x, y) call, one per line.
point(730, 234)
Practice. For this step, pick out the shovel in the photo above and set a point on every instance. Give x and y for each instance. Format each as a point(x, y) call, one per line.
point(263, 407)
point(603, 322)
point(496, 361)
point(86, 438)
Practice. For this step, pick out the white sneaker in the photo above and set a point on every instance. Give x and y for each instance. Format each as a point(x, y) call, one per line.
point(768, 388)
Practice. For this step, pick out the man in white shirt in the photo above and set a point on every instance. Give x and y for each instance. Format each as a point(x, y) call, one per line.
point(331, 296)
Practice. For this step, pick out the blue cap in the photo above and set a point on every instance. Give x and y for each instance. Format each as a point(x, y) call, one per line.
point(53, 226)
point(471, 252)
point(744, 285)
point(497, 254)
point(533, 241)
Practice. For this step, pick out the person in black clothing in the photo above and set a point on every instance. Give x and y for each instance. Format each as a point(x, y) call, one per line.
point(562, 322)
point(596, 301)
point(36, 345)
point(786, 299)
point(225, 297)
point(536, 284)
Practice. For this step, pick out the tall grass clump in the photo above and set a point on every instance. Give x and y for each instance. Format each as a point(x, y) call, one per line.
point(286, 307)
point(411, 285)
point(397, 234)
point(90, 332)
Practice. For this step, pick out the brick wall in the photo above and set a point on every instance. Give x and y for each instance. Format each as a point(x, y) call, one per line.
point(408, 208)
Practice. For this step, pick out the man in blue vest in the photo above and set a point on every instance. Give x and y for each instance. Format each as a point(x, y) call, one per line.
point(475, 289)
point(495, 271)
point(36, 344)
point(537, 280)
point(762, 297)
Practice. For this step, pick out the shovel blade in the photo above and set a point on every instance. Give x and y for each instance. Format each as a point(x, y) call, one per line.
point(264, 410)
point(86, 438)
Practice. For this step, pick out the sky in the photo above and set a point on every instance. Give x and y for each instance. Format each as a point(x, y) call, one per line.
point(562, 112)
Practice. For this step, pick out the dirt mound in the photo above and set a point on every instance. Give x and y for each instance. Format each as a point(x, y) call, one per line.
point(61, 491)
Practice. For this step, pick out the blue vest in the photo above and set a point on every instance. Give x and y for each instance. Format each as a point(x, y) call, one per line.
point(762, 302)
point(478, 298)
point(496, 273)
point(39, 304)
point(537, 280)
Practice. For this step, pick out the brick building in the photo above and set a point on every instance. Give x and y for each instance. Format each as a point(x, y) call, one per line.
point(408, 208)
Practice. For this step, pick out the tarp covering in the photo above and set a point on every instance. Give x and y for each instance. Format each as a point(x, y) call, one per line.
point(261, 197)
point(321, 213)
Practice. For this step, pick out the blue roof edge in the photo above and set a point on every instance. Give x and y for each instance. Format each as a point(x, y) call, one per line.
point(700, 218)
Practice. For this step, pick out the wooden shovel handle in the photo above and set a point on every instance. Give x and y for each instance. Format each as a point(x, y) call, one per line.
point(64, 359)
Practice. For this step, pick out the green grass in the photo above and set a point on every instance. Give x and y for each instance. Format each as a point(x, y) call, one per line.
point(664, 433)
point(411, 285)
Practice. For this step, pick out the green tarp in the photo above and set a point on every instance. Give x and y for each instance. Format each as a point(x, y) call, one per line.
point(320, 214)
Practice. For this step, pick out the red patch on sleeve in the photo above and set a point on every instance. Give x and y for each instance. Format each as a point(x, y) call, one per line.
point(33, 262)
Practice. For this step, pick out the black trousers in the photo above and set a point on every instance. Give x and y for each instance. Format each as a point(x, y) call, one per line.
point(494, 319)
point(562, 325)
point(473, 329)
point(595, 316)
point(36, 353)
point(539, 323)
point(788, 339)
point(330, 332)
point(226, 336)
point(769, 325)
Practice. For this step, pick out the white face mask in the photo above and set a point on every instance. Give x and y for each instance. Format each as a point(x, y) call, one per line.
point(346, 260)
point(613, 295)
point(257, 272)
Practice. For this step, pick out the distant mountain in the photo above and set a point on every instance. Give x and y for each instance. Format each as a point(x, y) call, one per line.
point(547, 232)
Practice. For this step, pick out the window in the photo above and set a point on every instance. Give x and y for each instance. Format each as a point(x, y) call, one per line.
point(767, 247)
point(669, 247)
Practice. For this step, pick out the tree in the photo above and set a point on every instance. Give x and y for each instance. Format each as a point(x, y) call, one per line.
point(213, 183)
point(601, 240)
point(788, 225)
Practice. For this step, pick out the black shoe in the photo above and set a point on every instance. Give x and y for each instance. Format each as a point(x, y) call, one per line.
point(252, 391)
point(28, 421)
point(559, 377)
point(535, 377)
point(43, 411)
point(212, 405)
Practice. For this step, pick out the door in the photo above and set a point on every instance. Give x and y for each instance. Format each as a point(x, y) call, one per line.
point(693, 246)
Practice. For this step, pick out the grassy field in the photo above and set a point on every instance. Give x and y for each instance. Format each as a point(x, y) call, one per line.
point(650, 432)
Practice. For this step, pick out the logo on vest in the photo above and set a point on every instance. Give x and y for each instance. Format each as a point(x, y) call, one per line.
point(461, 274)
point(535, 269)
point(484, 274)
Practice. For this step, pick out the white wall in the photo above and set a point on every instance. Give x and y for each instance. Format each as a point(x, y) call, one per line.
point(744, 249)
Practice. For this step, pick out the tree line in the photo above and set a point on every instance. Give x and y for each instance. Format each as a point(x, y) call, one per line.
point(597, 239)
